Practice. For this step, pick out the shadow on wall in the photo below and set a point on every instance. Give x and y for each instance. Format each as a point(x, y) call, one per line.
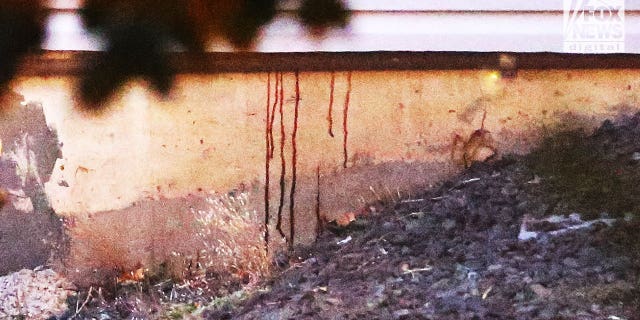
point(30, 232)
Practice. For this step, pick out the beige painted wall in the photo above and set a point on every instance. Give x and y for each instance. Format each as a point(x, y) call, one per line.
point(211, 133)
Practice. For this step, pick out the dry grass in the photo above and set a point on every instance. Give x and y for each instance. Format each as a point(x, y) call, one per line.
point(223, 262)
point(232, 236)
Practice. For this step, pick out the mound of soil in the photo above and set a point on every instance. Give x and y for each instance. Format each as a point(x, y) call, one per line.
point(453, 252)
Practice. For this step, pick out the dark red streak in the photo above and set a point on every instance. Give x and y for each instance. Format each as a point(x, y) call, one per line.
point(330, 115)
point(345, 116)
point(283, 162)
point(318, 218)
point(484, 117)
point(294, 161)
point(273, 116)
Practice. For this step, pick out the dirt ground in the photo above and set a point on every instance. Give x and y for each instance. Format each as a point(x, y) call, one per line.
point(550, 235)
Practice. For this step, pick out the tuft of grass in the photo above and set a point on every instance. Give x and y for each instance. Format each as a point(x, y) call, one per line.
point(228, 302)
point(232, 235)
point(175, 311)
point(180, 311)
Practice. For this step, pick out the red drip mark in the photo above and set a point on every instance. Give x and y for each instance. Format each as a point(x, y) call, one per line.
point(294, 161)
point(319, 225)
point(283, 162)
point(273, 116)
point(330, 114)
point(345, 120)
point(268, 145)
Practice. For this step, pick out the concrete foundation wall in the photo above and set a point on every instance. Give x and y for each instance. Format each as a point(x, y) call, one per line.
point(215, 133)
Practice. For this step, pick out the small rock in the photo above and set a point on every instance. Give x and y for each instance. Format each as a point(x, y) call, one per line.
point(525, 235)
point(394, 280)
point(548, 311)
point(570, 262)
point(609, 277)
point(399, 239)
point(104, 316)
point(525, 309)
point(509, 190)
point(589, 256)
point(401, 313)
point(575, 217)
point(472, 283)
point(417, 215)
point(494, 267)
point(440, 284)
point(328, 270)
point(461, 272)
point(379, 290)
point(388, 225)
point(448, 224)
point(540, 290)
point(581, 314)
point(281, 260)
point(474, 264)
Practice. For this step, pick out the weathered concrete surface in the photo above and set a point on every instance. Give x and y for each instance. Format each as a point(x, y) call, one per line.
point(212, 132)
point(215, 134)
point(28, 229)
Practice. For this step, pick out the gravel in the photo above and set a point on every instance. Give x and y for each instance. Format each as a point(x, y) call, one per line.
point(34, 294)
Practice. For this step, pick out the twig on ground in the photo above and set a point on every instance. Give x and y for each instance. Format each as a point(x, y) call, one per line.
point(464, 183)
point(413, 272)
point(344, 241)
point(100, 294)
point(411, 200)
point(375, 194)
point(89, 296)
point(417, 214)
point(485, 294)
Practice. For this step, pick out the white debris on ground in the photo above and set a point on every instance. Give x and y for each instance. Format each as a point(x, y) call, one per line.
point(555, 225)
point(34, 294)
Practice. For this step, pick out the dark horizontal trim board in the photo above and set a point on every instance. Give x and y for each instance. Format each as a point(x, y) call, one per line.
point(73, 63)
